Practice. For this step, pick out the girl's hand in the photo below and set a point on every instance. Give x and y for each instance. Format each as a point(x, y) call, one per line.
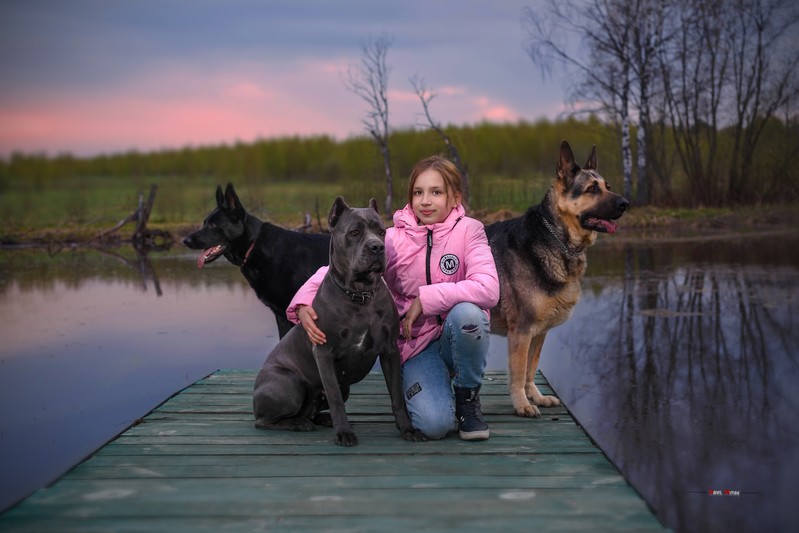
point(410, 317)
point(308, 318)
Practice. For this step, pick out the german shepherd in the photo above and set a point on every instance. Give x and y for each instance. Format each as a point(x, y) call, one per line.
point(541, 259)
point(275, 261)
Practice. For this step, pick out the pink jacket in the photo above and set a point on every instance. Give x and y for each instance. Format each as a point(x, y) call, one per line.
point(461, 269)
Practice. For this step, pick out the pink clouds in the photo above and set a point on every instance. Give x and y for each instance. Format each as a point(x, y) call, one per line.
point(175, 107)
point(171, 110)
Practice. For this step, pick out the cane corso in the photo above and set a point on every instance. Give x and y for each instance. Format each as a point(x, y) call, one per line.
point(358, 316)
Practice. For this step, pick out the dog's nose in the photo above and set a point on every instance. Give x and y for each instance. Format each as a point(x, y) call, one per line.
point(623, 204)
point(187, 241)
point(377, 248)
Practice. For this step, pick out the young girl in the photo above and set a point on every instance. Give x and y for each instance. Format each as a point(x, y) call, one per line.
point(442, 276)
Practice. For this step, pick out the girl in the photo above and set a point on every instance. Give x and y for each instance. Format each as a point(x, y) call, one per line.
point(442, 276)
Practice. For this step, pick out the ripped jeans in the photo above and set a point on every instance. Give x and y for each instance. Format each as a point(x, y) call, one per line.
point(457, 357)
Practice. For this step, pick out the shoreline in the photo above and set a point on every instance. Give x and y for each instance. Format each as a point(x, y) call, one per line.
point(645, 224)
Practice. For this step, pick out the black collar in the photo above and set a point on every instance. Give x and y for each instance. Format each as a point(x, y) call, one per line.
point(360, 297)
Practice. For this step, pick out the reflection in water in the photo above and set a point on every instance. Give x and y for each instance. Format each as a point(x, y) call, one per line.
point(141, 264)
point(87, 349)
point(684, 373)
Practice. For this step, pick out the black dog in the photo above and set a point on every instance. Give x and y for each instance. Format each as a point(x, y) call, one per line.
point(275, 261)
point(358, 315)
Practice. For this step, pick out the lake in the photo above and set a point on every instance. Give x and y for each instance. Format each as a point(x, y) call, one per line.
point(680, 361)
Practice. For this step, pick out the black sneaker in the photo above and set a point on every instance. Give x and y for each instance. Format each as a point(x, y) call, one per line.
point(471, 425)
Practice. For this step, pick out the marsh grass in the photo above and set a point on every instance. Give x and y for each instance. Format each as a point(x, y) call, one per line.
point(85, 206)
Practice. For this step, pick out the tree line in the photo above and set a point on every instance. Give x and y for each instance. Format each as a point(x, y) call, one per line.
point(520, 151)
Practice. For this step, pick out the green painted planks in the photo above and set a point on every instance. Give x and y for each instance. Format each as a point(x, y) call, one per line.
point(196, 463)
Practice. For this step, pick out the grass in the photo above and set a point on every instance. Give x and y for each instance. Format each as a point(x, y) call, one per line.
point(80, 208)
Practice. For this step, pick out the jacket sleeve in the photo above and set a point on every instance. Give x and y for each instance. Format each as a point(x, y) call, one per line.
point(306, 294)
point(480, 285)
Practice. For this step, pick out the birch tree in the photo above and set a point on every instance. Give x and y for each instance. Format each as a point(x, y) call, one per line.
point(602, 60)
point(614, 63)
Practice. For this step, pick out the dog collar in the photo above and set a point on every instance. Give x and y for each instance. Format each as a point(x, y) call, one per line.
point(356, 296)
point(563, 246)
point(247, 254)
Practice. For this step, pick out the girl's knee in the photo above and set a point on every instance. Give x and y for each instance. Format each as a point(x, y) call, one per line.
point(468, 317)
point(435, 427)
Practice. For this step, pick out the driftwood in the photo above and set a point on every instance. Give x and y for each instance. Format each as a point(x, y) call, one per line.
point(142, 237)
point(307, 224)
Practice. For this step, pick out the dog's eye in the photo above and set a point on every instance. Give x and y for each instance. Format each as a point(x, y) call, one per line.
point(355, 233)
point(593, 188)
point(382, 233)
point(607, 186)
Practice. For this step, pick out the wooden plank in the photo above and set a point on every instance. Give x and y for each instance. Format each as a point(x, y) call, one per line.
point(409, 521)
point(196, 463)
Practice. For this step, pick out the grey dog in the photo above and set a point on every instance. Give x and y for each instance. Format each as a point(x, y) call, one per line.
point(359, 319)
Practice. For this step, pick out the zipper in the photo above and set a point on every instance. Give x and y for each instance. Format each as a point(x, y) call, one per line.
point(427, 266)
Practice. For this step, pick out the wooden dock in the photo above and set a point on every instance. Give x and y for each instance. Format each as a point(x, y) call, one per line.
point(197, 464)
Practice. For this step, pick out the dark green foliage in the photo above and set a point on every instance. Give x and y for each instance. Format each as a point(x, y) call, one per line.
point(510, 167)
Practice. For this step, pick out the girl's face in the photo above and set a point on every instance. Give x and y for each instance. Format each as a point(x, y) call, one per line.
point(432, 202)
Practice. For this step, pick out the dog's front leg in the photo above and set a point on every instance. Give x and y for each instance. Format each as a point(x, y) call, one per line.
point(518, 348)
point(530, 388)
point(390, 364)
point(327, 372)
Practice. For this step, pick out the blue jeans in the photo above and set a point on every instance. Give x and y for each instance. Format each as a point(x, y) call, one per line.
point(457, 357)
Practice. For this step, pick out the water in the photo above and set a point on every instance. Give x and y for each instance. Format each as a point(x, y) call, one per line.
point(680, 362)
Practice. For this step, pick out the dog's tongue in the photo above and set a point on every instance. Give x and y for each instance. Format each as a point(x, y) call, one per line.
point(609, 225)
point(210, 252)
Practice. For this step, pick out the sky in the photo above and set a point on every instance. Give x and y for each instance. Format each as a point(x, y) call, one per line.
point(91, 77)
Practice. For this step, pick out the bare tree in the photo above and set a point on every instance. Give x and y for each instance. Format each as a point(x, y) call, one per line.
point(369, 80)
point(733, 66)
point(425, 96)
point(693, 69)
point(604, 66)
point(763, 79)
point(648, 35)
point(614, 66)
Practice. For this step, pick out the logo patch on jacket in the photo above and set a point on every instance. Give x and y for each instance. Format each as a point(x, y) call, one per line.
point(449, 264)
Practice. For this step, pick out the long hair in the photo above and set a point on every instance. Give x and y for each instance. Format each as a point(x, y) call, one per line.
point(446, 168)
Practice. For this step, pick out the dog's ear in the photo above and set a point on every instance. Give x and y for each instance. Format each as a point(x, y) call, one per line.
point(591, 163)
point(567, 168)
point(220, 196)
point(339, 206)
point(373, 205)
point(231, 199)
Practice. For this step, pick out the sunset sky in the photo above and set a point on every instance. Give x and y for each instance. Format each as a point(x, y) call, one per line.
point(95, 76)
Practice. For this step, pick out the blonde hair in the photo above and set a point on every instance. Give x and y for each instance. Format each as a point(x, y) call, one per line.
point(446, 168)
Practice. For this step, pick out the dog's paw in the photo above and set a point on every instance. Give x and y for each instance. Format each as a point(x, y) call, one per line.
point(302, 425)
point(346, 438)
point(547, 401)
point(527, 411)
point(414, 435)
point(536, 398)
point(323, 419)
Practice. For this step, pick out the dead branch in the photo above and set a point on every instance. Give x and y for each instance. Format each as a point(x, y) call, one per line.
point(425, 96)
